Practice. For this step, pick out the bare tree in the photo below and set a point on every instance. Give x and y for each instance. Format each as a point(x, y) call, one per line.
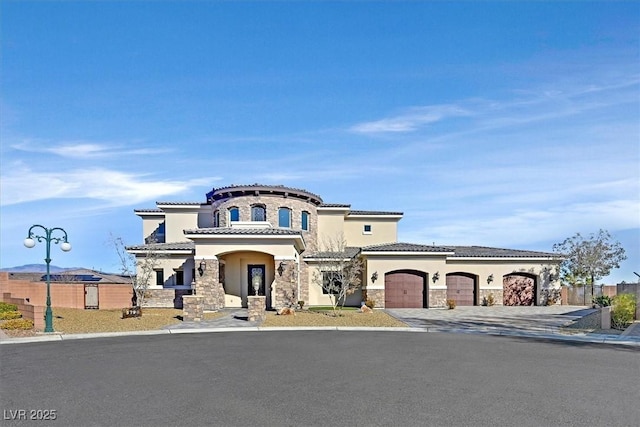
point(588, 259)
point(140, 269)
point(339, 271)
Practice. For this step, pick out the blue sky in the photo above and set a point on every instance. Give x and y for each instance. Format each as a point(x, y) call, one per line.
point(499, 124)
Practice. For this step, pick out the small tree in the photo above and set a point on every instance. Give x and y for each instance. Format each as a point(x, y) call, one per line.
point(588, 259)
point(339, 271)
point(140, 269)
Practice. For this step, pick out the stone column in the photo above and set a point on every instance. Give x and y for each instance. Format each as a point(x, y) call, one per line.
point(257, 307)
point(285, 289)
point(208, 285)
point(192, 308)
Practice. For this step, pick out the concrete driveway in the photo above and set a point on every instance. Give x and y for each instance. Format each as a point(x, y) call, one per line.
point(502, 319)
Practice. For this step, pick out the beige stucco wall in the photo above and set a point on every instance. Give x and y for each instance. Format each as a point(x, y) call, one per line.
point(236, 276)
point(169, 265)
point(482, 268)
point(317, 297)
point(330, 225)
point(150, 224)
point(178, 220)
point(280, 247)
point(383, 230)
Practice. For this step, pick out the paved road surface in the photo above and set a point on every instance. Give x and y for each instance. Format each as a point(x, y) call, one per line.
point(322, 378)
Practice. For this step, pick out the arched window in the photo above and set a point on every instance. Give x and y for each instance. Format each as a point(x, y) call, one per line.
point(234, 214)
point(216, 218)
point(284, 217)
point(305, 220)
point(258, 213)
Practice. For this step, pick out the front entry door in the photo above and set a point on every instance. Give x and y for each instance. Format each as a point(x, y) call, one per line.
point(256, 279)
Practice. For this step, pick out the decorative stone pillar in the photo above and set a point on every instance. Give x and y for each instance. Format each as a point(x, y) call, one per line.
point(208, 284)
point(257, 307)
point(192, 308)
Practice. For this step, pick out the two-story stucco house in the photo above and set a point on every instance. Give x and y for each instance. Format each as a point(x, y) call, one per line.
point(271, 237)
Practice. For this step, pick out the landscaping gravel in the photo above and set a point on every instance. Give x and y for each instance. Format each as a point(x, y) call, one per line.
point(326, 318)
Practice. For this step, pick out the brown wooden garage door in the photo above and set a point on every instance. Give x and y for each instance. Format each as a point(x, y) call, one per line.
point(460, 288)
point(403, 290)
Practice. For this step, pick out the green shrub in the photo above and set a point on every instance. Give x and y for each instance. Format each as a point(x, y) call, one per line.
point(17, 324)
point(603, 301)
point(6, 315)
point(451, 304)
point(623, 311)
point(7, 307)
point(300, 304)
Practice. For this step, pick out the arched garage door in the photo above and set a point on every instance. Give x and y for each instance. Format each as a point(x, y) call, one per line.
point(519, 289)
point(405, 289)
point(461, 288)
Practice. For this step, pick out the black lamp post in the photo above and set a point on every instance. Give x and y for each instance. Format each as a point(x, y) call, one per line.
point(29, 242)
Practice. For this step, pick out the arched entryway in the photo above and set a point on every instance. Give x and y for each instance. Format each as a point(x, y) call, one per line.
point(405, 289)
point(519, 289)
point(462, 288)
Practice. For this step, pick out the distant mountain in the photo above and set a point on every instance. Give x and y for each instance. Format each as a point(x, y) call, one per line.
point(35, 268)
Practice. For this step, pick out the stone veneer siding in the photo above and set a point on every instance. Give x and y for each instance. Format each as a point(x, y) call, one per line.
point(437, 298)
point(272, 204)
point(497, 296)
point(257, 306)
point(377, 295)
point(159, 298)
point(209, 287)
point(192, 308)
point(285, 288)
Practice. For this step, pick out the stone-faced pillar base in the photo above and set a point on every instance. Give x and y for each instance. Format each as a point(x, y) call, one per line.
point(192, 308)
point(284, 290)
point(377, 295)
point(257, 307)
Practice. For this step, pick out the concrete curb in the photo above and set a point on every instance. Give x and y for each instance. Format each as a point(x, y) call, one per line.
point(603, 339)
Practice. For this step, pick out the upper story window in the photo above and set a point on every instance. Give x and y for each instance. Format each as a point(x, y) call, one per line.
point(284, 217)
point(366, 229)
point(258, 213)
point(234, 214)
point(216, 219)
point(305, 220)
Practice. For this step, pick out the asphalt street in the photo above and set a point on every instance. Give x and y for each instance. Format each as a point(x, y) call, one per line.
point(320, 378)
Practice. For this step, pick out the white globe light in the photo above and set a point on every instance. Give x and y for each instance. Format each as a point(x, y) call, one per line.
point(65, 246)
point(29, 242)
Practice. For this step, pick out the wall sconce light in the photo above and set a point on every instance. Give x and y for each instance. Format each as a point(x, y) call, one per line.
point(281, 268)
point(202, 267)
point(436, 277)
point(490, 279)
point(374, 277)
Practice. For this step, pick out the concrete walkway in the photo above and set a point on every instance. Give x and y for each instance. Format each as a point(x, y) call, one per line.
point(536, 322)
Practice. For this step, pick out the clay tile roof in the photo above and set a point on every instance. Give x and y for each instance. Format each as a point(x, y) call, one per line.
point(406, 247)
point(177, 246)
point(180, 203)
point(486, 252)
point(148, 210)
point(239, 190)
point(353, 212)
point(245, 231)
point(349, 252)
point(334, 205)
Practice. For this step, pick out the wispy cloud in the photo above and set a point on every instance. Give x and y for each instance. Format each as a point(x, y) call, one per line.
point(84, 150)
point(410, 120)
point(22, 185)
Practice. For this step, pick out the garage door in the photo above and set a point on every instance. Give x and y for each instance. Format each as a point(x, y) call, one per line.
point(403, 290)
point(461, 288)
